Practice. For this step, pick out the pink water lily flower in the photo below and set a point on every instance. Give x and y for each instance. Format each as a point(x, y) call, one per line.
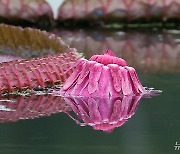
point(103, 76)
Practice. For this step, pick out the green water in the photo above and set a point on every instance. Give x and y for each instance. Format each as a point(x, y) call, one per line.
point(153, 129)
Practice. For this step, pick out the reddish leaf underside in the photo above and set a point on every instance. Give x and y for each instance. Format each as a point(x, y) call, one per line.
point(36, 72)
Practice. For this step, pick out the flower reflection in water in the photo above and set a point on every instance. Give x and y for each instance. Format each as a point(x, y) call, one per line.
point(103, 113)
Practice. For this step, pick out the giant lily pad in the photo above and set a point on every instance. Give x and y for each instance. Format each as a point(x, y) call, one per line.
point(119, 10)
point(151, 52)
point(36, 72)
point(29, 10)
point(28, 42)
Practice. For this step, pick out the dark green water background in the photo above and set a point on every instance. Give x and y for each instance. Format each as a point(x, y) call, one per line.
point(154, 128)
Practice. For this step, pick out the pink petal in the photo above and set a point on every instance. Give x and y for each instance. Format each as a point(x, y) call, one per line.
point(109, 52)
point(104, 86)
point(94, 111)
point(95, 73)
point(116, 110)
point(126, 85)
point(83, 111)
point(85, 71)
point(126, 103)
point(84, 90)
point(107, 59)
point(104, 106)
point(135, 102)
point(74, 76)
point(136, 83)
point(116, 75)
point(122, 62)
point(78, 89)
point(99, 59)
point(94, 58)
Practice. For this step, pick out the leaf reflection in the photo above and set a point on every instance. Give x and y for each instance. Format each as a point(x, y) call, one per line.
point(104, 114)
point(34, 106)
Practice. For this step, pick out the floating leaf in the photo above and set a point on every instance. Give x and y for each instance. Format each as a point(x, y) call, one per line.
point(115, 10)
point(29, 42)
point(29, 10)
point(151, 52)
point(36, 72)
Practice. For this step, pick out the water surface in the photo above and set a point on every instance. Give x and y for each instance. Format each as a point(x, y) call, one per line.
point(154, 128)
